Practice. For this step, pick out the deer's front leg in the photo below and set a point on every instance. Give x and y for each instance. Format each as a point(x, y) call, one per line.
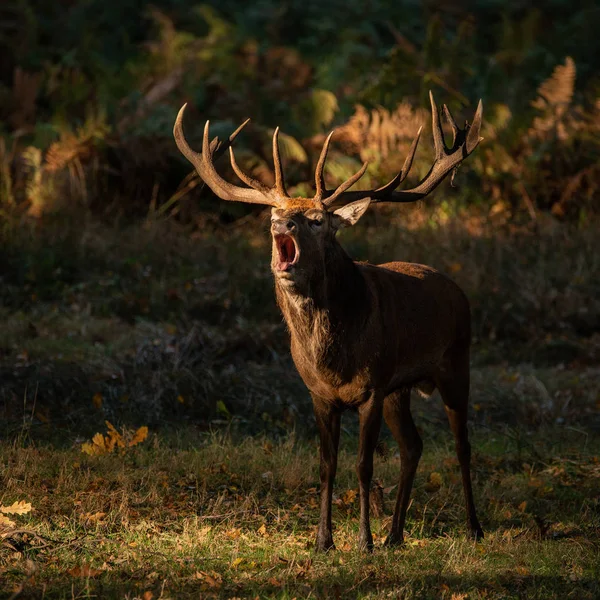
point(370, 422)
point(328, 422)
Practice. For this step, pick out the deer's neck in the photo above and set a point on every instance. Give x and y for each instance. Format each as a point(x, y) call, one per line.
point(334, 304)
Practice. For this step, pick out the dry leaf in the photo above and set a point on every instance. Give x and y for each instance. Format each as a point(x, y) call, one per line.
point(262, 530)
point(101, 444)
point(97, 400)
point(349, 496)
point(212, 579)
point(233, 534)
point(139, 436)
point(6, 523)
point(434, 483)
point(435, 478)
point(84, 571)
point(17, 508)
point(96, 447)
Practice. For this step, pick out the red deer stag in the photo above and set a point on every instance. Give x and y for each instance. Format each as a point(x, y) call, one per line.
point(363, 335)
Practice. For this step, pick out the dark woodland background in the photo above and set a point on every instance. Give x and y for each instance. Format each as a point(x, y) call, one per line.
point(129, 291)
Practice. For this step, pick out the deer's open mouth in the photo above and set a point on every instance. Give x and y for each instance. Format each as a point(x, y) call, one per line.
point(287, 253)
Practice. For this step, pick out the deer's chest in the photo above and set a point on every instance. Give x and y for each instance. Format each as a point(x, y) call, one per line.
point(335, 378)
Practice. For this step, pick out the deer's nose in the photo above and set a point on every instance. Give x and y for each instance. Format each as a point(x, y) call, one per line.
point(283, 226)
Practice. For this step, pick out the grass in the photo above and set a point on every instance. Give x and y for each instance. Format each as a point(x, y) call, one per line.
point(203, 515)
point(154, 325)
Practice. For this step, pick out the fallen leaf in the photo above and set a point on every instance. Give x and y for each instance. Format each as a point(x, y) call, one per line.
point(139, 436)
point(233, 534)
point(17, 508)
point(349, 496)
point(84, 571)
point(212, 579)
point(6, 523)
point(262, 530)
point(435, 478)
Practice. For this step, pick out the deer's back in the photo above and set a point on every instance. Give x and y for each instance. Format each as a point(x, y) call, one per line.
point(422, 300)
point(421, 318)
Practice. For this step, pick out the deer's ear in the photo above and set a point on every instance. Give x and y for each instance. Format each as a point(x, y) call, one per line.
point(348, 215)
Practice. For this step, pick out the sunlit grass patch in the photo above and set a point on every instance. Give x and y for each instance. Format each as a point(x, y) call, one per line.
point(238, 518)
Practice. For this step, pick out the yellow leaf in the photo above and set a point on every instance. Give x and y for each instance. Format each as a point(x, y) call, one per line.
point(97, 400)
point(17, 508)
point(237, 562)
point(139, 436)
point(233, 534)
point(212, 579)
point(84, 571)
point(349, 496)
point(96, 447)
point(435, 479)
point(93, 518)
point(262, 530)
point(114, 437)
point(5, 522)
point(523, 506)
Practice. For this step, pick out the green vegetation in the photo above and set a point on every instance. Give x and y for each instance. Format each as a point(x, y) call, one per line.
point(130, 294)
point(89, 91)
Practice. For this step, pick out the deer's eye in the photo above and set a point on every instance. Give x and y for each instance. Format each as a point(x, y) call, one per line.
point(316, 223)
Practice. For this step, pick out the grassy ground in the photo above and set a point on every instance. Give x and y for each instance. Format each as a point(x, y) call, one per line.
point(153, 326)
point(203, 516)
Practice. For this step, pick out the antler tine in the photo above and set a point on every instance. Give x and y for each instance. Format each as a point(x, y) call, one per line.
point(344, 186)
point(446, 160)
point(473, 137)
point(253, 183)
point(319, 178)
point(218, 148)
point(279, 180)
point(436, 128)
point(452, 123)
point(394, 183)
point(206, 169)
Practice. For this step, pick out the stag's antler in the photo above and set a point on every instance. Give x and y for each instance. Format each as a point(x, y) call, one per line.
point(204, 164)
point(446, 159)
point(257, 192)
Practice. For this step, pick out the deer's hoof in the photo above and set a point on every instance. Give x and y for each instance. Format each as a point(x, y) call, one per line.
point(365, 543)
point(476, 533)
point(394, 540)
point(324, 544)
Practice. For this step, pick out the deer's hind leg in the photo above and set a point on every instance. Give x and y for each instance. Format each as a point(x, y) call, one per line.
point(454, 389)
point(397, 415)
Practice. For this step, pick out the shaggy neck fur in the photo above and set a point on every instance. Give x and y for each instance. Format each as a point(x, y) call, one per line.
point(335, 297)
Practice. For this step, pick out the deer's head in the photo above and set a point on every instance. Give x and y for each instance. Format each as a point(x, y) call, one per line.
point(303, 229)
